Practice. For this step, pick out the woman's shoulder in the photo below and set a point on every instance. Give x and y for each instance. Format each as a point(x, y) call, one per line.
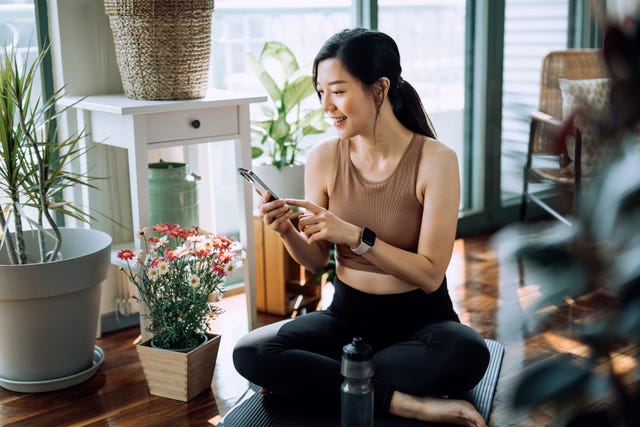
point(436, 158)
point(434, 150)
point(323, 151)
point(320, 168)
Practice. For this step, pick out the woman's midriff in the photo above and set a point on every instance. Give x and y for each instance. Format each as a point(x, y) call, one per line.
point(373, 283)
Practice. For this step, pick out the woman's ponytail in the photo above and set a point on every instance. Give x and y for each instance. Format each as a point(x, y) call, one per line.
point(409, 110)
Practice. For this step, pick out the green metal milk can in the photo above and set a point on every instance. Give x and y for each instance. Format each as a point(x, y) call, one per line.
point(173, 194)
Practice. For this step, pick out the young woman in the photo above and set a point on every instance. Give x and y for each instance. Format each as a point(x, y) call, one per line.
point(387, 194)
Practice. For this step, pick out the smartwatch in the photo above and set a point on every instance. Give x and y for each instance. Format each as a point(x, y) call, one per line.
point(367, 239)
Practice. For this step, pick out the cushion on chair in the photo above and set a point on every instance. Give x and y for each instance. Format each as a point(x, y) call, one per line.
point(594, 95)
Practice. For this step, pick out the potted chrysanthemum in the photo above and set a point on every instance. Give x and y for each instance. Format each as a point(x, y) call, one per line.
point(179, 275)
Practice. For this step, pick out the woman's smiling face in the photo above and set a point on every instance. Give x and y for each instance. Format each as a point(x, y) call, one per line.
point(345, 100)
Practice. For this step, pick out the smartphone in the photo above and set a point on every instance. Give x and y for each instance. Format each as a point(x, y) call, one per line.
point(257, 183)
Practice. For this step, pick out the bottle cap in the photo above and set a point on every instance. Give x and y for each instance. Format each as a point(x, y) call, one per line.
point(357, 350)
point(356, 359)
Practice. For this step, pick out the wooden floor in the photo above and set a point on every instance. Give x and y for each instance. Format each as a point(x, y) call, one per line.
point(489, 295)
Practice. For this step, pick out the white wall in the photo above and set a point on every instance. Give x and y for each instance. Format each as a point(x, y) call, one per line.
point(84, 63)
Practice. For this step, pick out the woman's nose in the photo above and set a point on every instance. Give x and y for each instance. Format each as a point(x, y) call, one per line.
point(327, 105)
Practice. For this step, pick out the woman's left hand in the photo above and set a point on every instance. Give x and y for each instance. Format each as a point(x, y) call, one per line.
point(320, 224)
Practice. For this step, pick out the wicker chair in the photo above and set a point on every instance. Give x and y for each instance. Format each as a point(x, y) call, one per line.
point(574, 64)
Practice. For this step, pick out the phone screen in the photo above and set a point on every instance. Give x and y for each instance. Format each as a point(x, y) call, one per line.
point(257, 183)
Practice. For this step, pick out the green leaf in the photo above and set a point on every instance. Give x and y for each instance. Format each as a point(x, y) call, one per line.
point(265, 78)
point(265, 125)
point(314, 122)
point(626, 268)
point(295, 92)
point(283, 55)
point(614, 194)
point(550, 380)
point(256, 152)
point(628, 320)
point(267, 110)
point(280, 128)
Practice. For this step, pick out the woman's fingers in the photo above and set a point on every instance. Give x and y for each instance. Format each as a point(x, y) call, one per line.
point(311, 207)
point(276, 213)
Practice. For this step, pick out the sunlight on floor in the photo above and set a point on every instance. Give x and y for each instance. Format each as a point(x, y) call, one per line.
point(566, 345)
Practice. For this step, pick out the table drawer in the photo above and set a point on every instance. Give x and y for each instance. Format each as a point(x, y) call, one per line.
point(192, 124)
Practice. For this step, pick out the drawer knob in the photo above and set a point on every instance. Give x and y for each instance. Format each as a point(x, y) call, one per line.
point(195, 124)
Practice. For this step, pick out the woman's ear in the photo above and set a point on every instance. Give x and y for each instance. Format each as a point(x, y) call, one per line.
point(381, 89)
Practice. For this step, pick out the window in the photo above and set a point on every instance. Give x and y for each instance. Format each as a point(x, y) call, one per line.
point(532, 29)
point(18, 30)
point(431, 38)
point(18, 35)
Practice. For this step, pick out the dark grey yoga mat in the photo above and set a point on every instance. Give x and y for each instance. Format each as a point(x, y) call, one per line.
point(255, 410)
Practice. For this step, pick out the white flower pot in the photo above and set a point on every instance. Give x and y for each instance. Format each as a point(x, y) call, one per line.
point(49, 314)
point(287, 182)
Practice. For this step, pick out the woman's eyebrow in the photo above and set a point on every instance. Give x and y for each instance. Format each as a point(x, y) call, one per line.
point(334, 82)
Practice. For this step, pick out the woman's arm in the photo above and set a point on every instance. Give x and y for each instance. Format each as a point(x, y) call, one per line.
point(315, 255)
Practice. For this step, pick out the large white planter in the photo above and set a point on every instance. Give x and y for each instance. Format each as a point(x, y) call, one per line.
point(287, 182)
point(49, 314)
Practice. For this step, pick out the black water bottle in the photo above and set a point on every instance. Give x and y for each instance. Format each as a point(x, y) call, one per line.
point(356, 397)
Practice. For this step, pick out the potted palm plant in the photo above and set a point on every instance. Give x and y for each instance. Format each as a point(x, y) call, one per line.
point(286, 123)
point(49, 275)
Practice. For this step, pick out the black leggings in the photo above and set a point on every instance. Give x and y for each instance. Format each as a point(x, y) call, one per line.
point(413, 353)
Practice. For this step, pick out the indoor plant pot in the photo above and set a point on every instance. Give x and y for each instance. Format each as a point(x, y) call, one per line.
point(288, 181)
point(179, 375)
point(49, 314)
point(49, 276)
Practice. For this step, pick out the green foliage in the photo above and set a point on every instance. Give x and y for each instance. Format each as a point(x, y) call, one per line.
point(557, 379)
point(285, 122)
point(599, 254)
point(35, 166)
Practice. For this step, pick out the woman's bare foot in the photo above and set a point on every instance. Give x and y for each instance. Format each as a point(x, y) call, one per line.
point(436, 409)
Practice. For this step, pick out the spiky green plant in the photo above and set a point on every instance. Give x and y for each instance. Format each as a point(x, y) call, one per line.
point(286, 123)
point(35, 166)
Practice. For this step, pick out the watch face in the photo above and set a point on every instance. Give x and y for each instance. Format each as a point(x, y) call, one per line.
point(368, 236)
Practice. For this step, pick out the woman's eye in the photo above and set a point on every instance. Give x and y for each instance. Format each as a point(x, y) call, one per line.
point(337, 92)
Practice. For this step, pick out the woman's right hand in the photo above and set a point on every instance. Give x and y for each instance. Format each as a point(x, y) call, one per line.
point(275, 214)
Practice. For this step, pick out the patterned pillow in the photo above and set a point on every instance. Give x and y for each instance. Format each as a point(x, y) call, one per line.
point(593, 94)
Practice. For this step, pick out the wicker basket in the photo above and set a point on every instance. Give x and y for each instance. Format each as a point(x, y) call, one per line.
point(162, 46)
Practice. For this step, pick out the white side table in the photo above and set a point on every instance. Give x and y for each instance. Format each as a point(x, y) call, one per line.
point(140, 125)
